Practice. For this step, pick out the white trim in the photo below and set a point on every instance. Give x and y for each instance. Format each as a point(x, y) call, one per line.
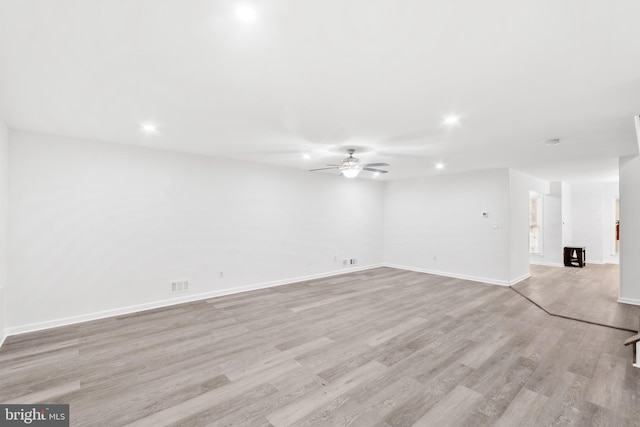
point(459, 276)
point(637, 120)
point(631, 301)
point(32, 327)
point(594, 262)
point(635, 365)
point(548, 264)
point(519, 279)
point(4, 338)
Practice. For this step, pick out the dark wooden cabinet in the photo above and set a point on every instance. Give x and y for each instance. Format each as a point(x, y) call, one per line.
point(575, 256)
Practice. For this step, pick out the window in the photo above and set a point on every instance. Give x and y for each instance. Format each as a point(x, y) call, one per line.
point(535, 223)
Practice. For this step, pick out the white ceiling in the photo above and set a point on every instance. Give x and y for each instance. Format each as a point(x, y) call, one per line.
point(318, 77)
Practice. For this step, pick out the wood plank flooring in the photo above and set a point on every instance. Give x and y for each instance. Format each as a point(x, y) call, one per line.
point(382, 347)
point(589, 294)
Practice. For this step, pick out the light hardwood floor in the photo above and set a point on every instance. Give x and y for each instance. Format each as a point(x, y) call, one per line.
point(589, 294)
point(382, 347)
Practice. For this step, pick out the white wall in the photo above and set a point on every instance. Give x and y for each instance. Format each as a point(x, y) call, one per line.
point(435, 225)
point(98, 228)
point(592, 218)
point(567, 216)
point(520, 185)
point(587, 219)
point(553, 249)
point(629, 230)
point(4, 191)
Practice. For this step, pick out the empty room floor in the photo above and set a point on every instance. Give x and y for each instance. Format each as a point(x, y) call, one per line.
point(381, 347)
point(589, 294)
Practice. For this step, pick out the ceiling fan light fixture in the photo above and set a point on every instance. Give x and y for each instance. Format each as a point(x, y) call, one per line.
point(350, 173)
point(351, 166)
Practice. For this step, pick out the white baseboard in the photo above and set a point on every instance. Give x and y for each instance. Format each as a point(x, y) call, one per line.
point(631, 301)
point(555, 264)
point(32, 327)
point(545, 263)
point(4, 337)
point(519, 279)
point(458, 276)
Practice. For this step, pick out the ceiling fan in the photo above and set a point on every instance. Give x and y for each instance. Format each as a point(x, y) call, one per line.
point(351, 167)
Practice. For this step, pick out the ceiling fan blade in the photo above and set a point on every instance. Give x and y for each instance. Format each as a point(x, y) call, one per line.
point(374, 170)
point(322, 169)
point(376, 164)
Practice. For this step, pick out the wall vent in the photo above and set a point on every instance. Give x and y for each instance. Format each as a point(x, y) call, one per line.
point(179, 286)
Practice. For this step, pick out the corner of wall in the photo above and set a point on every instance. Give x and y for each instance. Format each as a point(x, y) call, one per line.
point(4, 203)
point(519, 186)
point(427, 218)
point(629, 169)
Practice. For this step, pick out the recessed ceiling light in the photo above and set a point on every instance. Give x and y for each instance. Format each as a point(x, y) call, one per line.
point(306, 156)
point(440, 165)
point(555, 141)
point(149, 128)
point(451, 119)
point(245, 13)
